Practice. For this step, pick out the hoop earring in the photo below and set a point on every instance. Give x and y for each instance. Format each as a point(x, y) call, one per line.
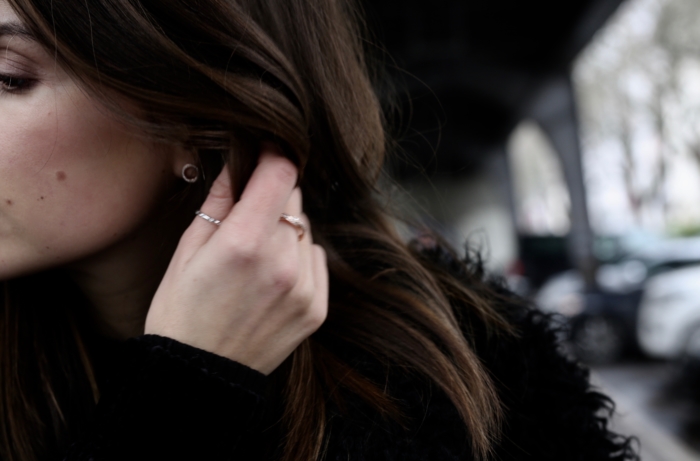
point(190, 173)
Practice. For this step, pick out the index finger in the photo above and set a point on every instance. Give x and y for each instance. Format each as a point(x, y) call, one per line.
point(267, 191)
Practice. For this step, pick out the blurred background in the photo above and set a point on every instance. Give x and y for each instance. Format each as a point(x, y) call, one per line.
point(562, 140)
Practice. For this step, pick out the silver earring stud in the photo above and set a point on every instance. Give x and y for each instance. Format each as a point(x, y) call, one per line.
point(190, 173)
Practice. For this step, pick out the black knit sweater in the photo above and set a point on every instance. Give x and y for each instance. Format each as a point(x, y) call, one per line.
point(162, 399)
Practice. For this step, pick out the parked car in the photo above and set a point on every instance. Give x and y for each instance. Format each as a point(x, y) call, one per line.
point(669, 314)
point(600, 324)
point(603, 321)
point(541, 257)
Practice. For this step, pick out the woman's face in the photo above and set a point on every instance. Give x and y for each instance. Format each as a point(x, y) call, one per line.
point(73, 179)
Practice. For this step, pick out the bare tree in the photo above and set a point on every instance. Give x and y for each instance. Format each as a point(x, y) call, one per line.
point(629, 84)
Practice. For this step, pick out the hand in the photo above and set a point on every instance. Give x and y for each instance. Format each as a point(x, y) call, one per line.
point(248, 289)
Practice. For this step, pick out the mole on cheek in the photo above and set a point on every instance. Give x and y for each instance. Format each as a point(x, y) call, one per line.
point(61, 176)
point(9, 202)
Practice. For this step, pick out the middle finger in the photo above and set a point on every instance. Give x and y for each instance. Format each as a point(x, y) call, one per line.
point(267, 193)
point(293, 209)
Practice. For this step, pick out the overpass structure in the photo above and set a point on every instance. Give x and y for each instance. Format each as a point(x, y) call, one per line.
point(471, 70)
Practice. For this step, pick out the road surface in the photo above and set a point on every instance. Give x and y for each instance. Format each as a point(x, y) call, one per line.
point(646, 409)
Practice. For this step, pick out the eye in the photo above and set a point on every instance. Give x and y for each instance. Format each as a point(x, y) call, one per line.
point(10, 84)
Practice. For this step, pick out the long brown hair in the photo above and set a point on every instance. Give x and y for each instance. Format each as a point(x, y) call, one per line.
point(218, 76)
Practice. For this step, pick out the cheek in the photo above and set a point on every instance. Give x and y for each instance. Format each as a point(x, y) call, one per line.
point(72, 179)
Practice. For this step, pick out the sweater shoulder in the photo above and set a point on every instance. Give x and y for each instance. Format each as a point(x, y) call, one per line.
point(551, 409)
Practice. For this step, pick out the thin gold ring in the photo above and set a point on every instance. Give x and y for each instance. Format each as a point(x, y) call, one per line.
point(296, 222)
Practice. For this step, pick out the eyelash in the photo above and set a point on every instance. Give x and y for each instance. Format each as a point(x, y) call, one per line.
point(14, 85)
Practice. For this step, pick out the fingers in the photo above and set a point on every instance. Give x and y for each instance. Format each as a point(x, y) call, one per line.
point(306, 259)
point(248, 289)
point(319, 305)
point(264, 198)
point(267, 193)
point(294, 204)
point(312, 286)
point(293, 208)
point(217, 205)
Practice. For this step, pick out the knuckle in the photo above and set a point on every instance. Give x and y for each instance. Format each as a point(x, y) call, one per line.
point(285, 278)
point(315, 317)
point(245, 251)
point(299, 310)
point(286, 171)
point(310, 313)
point(306, 298)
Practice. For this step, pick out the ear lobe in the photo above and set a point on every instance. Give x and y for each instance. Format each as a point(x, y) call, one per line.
point(182, 159)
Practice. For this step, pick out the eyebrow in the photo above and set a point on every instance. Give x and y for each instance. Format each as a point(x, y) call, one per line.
point(16, 29)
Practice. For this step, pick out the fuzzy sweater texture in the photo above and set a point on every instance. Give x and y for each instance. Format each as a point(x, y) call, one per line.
point(164, 400)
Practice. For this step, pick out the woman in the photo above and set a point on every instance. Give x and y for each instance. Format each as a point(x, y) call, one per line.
point(152, 311)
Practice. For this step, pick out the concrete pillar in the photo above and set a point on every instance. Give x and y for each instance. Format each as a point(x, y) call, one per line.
point(554, 108)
